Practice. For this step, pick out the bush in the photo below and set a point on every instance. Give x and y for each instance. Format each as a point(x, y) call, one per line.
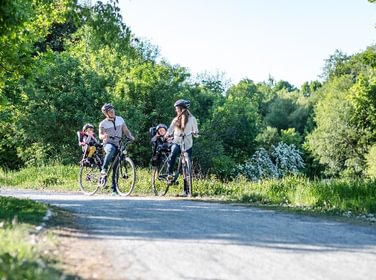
point(283, 160)
point(287, 158)
point(260, 166)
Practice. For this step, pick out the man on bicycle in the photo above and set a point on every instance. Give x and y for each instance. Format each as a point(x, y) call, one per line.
point(111, 130)
point(183, 123)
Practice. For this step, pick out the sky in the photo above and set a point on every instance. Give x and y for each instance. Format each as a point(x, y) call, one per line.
point(255, 39)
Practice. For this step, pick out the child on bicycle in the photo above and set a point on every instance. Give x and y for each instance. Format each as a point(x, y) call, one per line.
point(87, 137)
point(159, 143)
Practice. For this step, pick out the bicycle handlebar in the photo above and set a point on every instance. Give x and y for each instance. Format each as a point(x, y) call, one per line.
point(194, 133)
point(121, 138)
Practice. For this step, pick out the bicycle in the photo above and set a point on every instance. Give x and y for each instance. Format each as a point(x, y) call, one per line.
point(125, 172)
point(160, 182)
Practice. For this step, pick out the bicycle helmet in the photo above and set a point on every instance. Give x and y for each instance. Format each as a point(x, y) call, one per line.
point(86, 126)
point(107, 107)
point(161, 125)
point(182, 103)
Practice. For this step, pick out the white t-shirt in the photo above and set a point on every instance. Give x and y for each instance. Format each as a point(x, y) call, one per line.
point(189, 127)
point(114, 129)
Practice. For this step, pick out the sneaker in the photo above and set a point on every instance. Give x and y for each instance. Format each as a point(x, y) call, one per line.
point(184, 194)
point(115, 193)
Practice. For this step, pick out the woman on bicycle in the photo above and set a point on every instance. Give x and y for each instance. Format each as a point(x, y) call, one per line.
point(111, 130)
point(183, 123)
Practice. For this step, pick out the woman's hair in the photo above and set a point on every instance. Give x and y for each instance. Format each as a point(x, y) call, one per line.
point(182, 119)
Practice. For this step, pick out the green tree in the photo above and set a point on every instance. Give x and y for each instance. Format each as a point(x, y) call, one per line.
point(63, 96)
point(236, 123)
point(335, 140)
point(23, 24)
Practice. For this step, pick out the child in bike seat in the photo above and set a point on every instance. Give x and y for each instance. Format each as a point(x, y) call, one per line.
point(159, 142)
point(87, 137)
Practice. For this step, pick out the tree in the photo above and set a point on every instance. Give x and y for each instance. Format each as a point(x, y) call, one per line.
point(278, 112)
point(236, 124)
point(336, 65)
point(63, 97)
point(23, 24)
point(335, 141)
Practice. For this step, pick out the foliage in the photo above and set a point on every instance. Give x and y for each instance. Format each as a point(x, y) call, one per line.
point(24, 23)
point(26, 210)
point(63, 97)
point(287, 159)
point(259, 167)
point(268, 137)
point(19, 257)
point(334, 142)
point(283, 160)
point(61, 61)
point(236, 123)
point(371, 161)
point(290, 136)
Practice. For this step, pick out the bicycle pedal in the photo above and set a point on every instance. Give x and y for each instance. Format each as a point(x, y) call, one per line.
point(102, 181)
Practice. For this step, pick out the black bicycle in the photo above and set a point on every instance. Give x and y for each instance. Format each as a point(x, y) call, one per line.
point(160, 181)
point(125, 172)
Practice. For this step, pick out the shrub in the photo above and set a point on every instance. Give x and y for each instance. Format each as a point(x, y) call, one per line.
point(283, 160)
point(288, 159)
point(260, 166)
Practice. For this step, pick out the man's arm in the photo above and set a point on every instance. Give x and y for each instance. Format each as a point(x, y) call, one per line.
point(127, 132)
point(102, 134)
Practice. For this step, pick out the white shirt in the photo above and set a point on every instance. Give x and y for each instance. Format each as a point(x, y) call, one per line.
point(116, 129)
point(191, 126)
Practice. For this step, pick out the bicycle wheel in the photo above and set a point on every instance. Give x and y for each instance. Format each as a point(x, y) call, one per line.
point(125, 177)
point(187, 174)
point(89, 179)
point(159, 177)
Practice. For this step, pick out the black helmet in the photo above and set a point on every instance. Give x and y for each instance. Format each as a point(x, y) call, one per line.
point(182, 103)
point(107, 107)
point(86, 126)
point(161, 125)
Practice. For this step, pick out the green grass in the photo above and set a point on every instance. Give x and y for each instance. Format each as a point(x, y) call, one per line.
point(336, 195)
point(20, 256)
point(26, 211)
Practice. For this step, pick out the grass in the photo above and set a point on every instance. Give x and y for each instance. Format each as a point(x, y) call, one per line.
point(25, 211)
point(337, 195)
point(20, 255)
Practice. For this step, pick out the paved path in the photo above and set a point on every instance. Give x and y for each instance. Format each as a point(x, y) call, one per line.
point(153, 238)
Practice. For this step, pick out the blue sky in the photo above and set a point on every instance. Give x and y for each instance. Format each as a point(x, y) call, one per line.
point(288, 40)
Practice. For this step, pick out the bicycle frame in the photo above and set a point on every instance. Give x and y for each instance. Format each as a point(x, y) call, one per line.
point(124, 173)
point(160, 172)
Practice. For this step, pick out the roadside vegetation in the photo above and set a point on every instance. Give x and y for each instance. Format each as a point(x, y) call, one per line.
point(334, 196)
point(21, 249)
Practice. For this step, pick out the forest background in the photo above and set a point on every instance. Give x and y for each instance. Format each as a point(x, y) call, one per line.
point(61, 60)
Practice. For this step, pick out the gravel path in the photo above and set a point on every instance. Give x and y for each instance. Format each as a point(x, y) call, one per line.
point(154, 238)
